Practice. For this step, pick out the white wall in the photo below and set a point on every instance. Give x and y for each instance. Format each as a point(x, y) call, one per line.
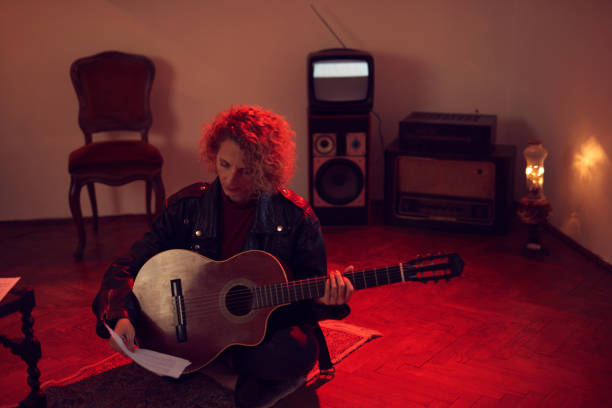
point(541, 66)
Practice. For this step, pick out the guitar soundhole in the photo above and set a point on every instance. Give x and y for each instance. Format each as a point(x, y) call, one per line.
point(239, 300)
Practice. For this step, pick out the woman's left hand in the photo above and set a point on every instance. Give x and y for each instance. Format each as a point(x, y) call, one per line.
point(338, 288)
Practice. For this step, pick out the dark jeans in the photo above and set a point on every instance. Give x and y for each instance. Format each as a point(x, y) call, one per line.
point(285, 353)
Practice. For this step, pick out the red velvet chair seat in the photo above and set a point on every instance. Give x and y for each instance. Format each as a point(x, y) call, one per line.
point(115, 153)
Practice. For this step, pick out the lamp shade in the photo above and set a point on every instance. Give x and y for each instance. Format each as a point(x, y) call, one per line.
point(535, 154)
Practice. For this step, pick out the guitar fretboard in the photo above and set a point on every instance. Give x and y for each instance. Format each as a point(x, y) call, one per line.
point(282, 293)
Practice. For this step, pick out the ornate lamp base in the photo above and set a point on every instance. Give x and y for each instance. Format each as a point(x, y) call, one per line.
point(534, 212)
point(534, 246)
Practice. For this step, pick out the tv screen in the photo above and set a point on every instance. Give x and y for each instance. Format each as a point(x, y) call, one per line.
point(340, 81)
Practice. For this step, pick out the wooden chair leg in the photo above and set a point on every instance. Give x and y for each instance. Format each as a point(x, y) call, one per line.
point(74, 198)
point(94, 204)
point(148, 198)
point(160, 194)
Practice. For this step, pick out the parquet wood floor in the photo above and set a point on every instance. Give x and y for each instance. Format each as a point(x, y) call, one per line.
point(511, 332)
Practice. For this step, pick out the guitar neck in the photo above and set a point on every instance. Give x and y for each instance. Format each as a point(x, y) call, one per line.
point(288, 292)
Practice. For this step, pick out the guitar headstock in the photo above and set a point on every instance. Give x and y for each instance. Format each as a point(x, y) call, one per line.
point(434, 267)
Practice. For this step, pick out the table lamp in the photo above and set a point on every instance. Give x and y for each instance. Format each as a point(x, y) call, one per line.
point(534, 208)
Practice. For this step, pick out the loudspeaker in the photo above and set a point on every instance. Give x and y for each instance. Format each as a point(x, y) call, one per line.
point(338, 168)
point(450, 191)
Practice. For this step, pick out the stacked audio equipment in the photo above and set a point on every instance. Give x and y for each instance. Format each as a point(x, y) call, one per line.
point(445, 171)
point(340, 98)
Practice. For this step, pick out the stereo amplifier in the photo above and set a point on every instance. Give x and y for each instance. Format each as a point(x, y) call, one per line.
point(472, 134)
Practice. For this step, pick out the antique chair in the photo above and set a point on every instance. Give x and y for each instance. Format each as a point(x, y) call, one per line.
point(113, 90)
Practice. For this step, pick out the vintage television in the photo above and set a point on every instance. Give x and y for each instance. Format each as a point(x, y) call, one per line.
point(450, 190)
point(340, 81)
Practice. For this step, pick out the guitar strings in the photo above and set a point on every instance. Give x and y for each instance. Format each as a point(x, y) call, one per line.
point(243, 299)
point(261, 295)
point(292, 287)
point(249, 298)
point(287, 286)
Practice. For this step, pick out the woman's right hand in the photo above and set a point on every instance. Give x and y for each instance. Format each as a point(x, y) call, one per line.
point(126, 331)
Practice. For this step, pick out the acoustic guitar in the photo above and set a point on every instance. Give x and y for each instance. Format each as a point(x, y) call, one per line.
point(193, 307)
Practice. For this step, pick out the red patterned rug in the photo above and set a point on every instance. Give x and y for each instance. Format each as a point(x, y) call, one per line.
point(117, 382)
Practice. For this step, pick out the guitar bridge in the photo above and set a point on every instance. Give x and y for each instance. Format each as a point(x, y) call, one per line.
point(179, 310)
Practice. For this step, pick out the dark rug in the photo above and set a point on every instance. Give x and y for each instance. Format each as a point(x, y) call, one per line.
point(117, 382)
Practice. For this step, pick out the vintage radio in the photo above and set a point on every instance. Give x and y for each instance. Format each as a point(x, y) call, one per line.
point(449, 190)
point(471, 134)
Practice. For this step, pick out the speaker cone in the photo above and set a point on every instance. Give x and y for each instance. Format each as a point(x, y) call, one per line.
point(339, 181)
point(325, 144)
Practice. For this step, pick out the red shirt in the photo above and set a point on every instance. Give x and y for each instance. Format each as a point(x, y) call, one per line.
point(236, 220)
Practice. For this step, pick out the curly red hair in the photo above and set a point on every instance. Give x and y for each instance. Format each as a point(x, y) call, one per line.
point(265, 138)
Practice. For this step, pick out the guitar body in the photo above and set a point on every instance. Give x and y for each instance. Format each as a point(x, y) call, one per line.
point(188, 303)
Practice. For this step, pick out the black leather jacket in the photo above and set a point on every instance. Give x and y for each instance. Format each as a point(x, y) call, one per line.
point(284, 226)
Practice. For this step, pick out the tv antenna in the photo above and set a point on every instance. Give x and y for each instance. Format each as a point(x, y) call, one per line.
point(327, 25)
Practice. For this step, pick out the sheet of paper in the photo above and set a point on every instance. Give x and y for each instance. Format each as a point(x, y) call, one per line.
point(159, 363)
point(7, 284)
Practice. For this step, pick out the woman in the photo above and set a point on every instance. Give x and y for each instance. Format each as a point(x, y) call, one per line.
point(246, 207)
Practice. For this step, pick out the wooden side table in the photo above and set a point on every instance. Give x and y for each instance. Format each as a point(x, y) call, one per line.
point(28, 348)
